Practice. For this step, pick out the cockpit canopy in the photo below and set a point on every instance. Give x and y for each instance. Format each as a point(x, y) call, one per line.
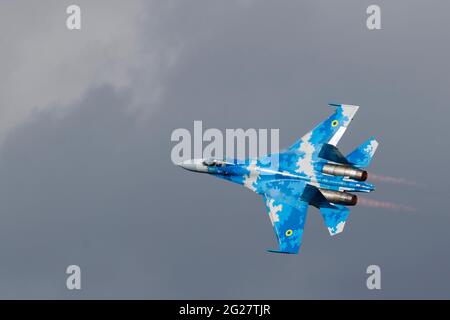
point(213, 163)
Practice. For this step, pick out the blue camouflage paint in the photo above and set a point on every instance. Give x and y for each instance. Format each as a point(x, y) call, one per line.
point(335, 218)
point(362, 155)
point(291, 180)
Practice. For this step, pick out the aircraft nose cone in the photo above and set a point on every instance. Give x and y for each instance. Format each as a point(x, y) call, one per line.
point(193, 165)
point(188, 165)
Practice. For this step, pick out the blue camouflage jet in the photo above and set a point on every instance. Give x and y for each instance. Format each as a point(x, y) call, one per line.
point(310, 172)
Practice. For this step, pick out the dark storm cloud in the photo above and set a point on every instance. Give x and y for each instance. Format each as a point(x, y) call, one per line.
point(43, 63)
point(95, 185)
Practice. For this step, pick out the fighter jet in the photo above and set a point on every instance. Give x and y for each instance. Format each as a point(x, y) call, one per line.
point(310, 172)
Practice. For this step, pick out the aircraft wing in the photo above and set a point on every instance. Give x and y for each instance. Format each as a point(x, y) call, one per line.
point(288, 223)
point(330, 131)
point(287, 203)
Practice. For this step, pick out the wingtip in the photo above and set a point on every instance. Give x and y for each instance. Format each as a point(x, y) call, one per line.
point(343, 105)
point(331, 104)
point(279, 251)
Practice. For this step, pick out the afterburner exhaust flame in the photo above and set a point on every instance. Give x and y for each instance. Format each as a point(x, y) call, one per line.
point(393, 180)
point(384, 205)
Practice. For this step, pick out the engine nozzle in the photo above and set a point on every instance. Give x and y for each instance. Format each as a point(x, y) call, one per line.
point(340, 197)
point(345, 171)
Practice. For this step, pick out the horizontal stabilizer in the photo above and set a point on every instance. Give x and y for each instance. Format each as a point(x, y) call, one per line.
point(362, 155)
point(335, 218)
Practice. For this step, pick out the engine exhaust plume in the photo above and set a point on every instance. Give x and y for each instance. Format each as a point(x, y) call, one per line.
point(393, 180)
point(385, 205)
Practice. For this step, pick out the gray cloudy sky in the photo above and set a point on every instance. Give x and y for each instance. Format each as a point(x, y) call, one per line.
point(85, 124)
